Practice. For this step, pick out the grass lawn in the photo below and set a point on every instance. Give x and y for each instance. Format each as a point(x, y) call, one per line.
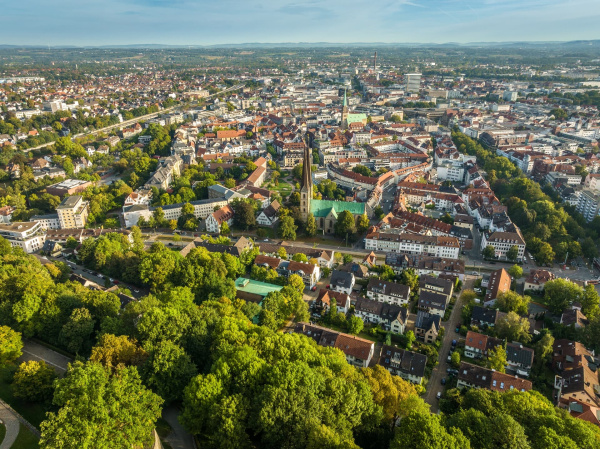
point(25, 440)
point(2, 432)
point(283, 188)
point(34, 413)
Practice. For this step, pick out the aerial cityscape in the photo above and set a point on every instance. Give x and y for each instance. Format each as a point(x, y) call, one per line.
point(262, 235)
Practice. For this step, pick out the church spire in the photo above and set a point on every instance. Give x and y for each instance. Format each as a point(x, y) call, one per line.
point(345, 103)
point(306, 165)
point(306, 188)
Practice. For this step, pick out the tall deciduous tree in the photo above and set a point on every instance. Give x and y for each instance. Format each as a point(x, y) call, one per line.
point(311, 225)
point(11, 347)
point(33, 381)
point(168, 370)
point(497, 359)
point(423, 430)
point(513, 327)
point(345, 224)
point(112, 352)
point(287, 228)
point(101, 410)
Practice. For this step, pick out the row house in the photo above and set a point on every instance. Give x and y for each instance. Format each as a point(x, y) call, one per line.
point(408, 365)
point(388, 292)
point(437, 246)
point(391, 316)
point(473, 376)
point(358, 351)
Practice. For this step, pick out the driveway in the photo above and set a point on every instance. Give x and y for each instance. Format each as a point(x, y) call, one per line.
point(439, 371)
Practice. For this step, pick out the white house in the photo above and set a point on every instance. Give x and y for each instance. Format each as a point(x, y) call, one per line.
point(214, 221)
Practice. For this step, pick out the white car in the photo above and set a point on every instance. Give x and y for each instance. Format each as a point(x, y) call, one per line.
point(100, 276)
point(438, 395)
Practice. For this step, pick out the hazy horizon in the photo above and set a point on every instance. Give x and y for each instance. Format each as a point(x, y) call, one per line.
point(188, 22)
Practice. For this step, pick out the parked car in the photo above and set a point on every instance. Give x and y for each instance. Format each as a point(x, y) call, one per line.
point(115, 282)
point(314, 288)
point(100, 276)
point(457, 330)
point(438, 395)
point(328, 285)
point(443, 381)
point(454, 343)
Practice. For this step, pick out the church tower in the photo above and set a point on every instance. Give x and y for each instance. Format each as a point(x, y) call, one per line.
point(344, 121)
point(306, 191)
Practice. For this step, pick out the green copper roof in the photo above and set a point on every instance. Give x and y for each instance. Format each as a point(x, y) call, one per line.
point(321, 208)
point(353, 118)
point(345, 100)
point(256, 287)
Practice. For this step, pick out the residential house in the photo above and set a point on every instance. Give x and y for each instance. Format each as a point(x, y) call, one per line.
point(392, 316)
point(323, 301)
point(577, 373)
point(483, 317)
point(215, 220)
point(388, 292)
point(427, 326)
point(405, 364)
point(432, 302)
point(519, 359)
point(537, 279)
point(477, 345)
point(268, 216)
point(358, 270)
point(437, 285)
point(473, 376)
point(342, 281)
point(6, 214)
point(358, 351)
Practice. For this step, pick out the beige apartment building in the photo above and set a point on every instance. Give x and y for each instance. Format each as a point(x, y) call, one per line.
point(72, 212)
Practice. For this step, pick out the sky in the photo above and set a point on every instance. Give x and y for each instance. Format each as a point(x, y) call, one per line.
point(202, 22)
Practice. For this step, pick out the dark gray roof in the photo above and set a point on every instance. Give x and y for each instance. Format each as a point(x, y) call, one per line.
point(341, 279)
point(517, 353)
point(407, 362)
point(388, 288)
point(431, 299)
point(428, 282)
point(484, 315)
point(426, 320)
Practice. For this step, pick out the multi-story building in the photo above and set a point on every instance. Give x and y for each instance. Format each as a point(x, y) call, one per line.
point(473, 376)
point(413, 82)
point(438, 246)
point(72, 212)
point(406, 364)
point(27, 235)
point(589, 204)
point(427, 326)
point(388, 292)
point(502, 242)
point(393, 317)
point(48, 221)
point(342, 281)
point(215, 220)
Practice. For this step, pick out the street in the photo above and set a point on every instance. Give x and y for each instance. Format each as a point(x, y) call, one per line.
point(136, 292)
point(439, 372)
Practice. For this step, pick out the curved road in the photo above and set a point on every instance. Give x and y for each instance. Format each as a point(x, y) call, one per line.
point(12, 425)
